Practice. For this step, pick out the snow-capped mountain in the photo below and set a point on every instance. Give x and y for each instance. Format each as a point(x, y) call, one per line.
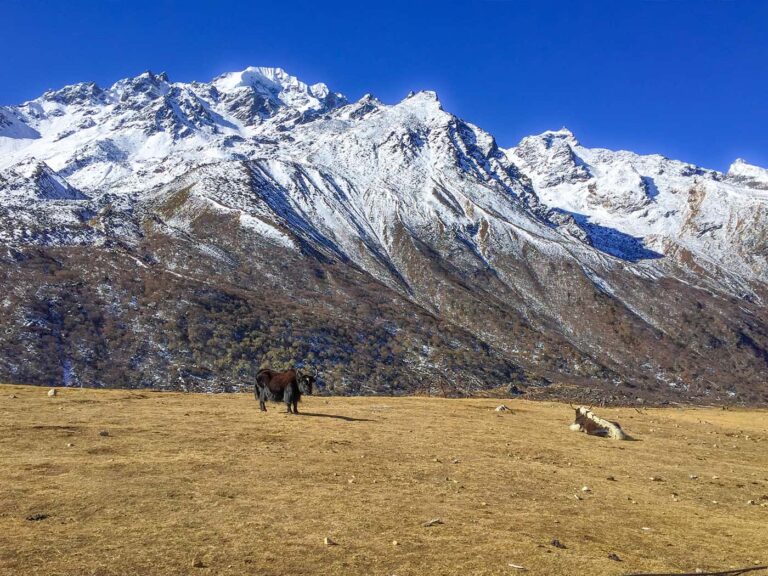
point(400, 236)
point(670, 210)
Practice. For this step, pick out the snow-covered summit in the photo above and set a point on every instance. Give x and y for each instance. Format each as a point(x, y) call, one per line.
point(583, 262)
point(270, 78)
point(562, 134)
point(147, 132)
point(669, 208)
point(753, 176)
point(32, 180)
point(278, 85)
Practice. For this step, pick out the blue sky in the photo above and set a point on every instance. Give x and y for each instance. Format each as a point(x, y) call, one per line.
point(688, 79)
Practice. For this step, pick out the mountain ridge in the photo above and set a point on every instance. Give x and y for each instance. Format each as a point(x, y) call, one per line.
point(221, 185)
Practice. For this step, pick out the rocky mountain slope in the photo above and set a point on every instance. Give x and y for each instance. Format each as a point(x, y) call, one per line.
point(702, 219)
point(178, 235)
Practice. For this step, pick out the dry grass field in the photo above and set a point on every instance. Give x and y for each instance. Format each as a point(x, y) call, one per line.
point(157, 483)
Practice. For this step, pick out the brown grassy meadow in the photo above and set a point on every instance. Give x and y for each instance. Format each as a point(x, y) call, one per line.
point(205, 484)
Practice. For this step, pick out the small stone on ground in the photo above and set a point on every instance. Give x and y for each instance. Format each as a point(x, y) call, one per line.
point(433, 522)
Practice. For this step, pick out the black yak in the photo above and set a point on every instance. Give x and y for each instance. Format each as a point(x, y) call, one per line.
point(285, 386)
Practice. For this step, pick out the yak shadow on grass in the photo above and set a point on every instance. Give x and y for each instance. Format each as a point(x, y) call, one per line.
point(336, 416)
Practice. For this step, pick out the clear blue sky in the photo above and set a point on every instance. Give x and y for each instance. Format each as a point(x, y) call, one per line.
point(688, 79)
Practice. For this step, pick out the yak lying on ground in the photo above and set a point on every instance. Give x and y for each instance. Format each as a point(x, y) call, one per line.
point(286, 386)
point(590, 423)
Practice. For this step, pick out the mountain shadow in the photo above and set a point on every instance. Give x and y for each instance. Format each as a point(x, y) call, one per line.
point(612, 241)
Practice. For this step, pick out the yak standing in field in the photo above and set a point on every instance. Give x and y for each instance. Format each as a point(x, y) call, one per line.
point(287, 386)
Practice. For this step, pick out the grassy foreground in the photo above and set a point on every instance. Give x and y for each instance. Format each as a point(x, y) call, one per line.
point(157, 483)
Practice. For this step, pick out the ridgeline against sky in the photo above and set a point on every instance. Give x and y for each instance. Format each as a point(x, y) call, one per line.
point(684, 78)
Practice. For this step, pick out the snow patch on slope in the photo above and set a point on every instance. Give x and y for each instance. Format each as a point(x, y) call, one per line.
point(266, 230)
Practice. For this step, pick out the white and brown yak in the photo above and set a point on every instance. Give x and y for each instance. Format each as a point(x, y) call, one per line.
point(589, 423)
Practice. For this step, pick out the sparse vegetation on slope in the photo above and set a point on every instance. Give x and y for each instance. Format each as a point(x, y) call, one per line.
point(194, 231)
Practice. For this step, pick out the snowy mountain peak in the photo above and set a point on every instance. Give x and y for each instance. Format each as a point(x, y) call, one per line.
point(142, 88)
point(257, 93)
point(423, 96)
point(254, 76)
point(32, 179)
point(424, 103)
point(651, 207)
point(257, 184)
point(563, 134)
point(549, 158)
point(75, 94)
point(277, 83)
point(753, 176)
point(145, 131)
